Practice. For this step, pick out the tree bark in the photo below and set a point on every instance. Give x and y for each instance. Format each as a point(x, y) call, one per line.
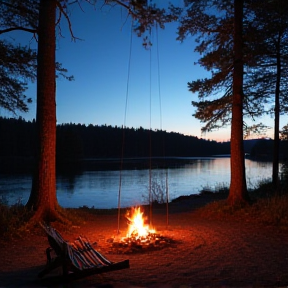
point(238, 188)
point(43, 194)
point(275, 169)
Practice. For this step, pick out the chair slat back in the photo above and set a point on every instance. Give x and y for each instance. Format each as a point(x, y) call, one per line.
point(81, 253)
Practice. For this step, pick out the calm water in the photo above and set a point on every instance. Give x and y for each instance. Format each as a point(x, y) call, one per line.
point(101, 188)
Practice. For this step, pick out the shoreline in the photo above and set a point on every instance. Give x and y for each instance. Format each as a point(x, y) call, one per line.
point(186, 203)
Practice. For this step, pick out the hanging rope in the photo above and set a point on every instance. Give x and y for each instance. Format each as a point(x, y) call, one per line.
point(124, 127)
point(150, 132)
point(150, 120)
point(160, 104)
point(160, 107)
point(159, 83)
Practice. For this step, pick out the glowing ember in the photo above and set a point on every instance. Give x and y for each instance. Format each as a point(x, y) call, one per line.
point(136, 225)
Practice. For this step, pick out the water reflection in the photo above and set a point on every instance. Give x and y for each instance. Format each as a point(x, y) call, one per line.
point(100, 188)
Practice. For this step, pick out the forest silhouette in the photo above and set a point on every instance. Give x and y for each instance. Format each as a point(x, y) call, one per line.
point(93, 147)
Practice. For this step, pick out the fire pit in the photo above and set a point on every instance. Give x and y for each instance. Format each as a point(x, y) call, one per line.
point(140, 237)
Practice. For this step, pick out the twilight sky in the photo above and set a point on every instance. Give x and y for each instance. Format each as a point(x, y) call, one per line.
point(99, 63)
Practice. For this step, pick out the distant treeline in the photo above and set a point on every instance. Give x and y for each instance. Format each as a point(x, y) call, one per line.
point(76, 142)
point(103, 146)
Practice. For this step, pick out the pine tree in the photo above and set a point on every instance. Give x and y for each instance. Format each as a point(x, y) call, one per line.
point(43, 195)
point(264, 58)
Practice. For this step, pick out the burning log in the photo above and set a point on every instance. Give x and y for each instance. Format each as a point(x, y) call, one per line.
point(140, 238)
point(142, 244)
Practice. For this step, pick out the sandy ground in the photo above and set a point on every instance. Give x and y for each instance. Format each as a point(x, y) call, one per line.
point(206, 253)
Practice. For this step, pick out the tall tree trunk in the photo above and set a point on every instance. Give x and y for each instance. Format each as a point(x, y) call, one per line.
point(275, 169)
point(43, 194)
point(238, 189)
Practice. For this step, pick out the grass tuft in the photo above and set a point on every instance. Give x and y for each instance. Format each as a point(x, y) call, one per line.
point(268, 206)
point(12, 217)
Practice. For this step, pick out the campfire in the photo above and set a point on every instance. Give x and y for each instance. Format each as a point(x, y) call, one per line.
point(136, 225)
point(140, 237)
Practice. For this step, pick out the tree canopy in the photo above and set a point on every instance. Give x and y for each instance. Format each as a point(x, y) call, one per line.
point(17, 67)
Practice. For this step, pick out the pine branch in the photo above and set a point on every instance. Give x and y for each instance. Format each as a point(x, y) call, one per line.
point(30, 30)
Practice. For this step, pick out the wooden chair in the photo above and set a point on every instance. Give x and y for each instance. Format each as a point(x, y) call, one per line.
point(78, 259)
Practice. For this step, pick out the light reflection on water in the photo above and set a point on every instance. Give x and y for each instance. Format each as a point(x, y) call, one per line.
point(101, 188)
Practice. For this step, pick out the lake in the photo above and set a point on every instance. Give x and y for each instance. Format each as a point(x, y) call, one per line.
point(100, 189)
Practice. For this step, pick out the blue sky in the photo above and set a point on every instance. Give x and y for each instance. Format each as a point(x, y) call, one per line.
point(99, 63)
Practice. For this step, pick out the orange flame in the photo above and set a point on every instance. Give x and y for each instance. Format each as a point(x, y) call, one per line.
point(136, 225)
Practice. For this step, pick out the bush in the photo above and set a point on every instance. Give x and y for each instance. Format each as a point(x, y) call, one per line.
point(284, 172)
point(157, 193)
